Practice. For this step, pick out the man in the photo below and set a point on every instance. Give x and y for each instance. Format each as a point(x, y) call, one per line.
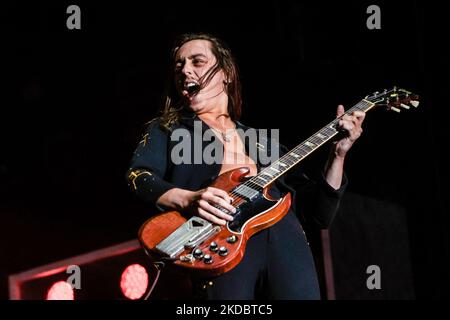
point(206, 90)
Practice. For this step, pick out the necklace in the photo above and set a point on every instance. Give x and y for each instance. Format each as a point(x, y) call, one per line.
point(225, 137)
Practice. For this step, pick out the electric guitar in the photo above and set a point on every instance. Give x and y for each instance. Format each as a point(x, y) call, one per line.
point(206, 249)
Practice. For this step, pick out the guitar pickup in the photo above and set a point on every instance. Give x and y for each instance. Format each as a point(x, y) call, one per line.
point(246, 192)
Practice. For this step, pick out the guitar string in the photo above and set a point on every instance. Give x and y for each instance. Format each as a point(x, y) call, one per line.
point(287, 158)
point(364, 105)
point(251, 183)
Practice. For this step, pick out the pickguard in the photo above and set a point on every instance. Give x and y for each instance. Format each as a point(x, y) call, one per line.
point(249, 210)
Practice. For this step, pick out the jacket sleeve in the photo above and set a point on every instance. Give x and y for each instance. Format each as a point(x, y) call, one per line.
point(149, 164)
point(316, 201)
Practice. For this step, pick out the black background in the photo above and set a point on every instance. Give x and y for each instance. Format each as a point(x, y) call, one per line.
point(74, 103)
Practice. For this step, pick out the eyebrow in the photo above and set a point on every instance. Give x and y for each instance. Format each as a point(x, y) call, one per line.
point(193, 56)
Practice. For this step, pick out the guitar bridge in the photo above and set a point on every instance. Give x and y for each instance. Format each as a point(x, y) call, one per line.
point(187, 236)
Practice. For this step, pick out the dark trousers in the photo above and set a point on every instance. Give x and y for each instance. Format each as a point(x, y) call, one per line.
point(277, 264)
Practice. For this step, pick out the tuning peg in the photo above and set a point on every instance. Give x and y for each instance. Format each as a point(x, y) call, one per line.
point(404, 106)
point(405, 91)
point(395, 109)
point(414, 103)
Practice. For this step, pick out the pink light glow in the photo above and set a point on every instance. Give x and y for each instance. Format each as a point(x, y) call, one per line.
point(134, 281)
point(60, 290)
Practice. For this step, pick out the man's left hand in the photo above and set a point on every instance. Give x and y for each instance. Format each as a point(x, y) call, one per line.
point(351, 124)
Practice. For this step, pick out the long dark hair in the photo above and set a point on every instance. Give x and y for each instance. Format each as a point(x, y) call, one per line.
point(173, 102)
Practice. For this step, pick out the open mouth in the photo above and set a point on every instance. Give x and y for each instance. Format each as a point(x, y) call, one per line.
point(191, 86)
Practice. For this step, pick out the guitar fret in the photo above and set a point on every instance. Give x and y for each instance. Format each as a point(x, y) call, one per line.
point(292, 161)
point(319, 142)
point(332, 127)
point(287, 160)
point(321, 136)
point(303, 151)
point(272, 168)
point(276, 166)
point(266, 174)
point(261, 178)
point(293, 157)
point(257, 183)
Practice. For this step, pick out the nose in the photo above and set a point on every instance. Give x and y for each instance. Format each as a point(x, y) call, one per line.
point(187, 69)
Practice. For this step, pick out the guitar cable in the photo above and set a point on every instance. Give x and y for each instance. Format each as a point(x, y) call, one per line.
point(158, 266)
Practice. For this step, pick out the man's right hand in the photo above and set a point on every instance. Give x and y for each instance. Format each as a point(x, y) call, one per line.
point(200, 203)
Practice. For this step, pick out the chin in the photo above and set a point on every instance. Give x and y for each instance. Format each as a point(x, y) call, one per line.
point(195, 105)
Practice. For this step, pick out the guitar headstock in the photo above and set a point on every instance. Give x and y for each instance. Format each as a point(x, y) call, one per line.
point(394, 99)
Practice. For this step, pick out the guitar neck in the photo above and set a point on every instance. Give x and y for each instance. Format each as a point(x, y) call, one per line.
point(301, 151)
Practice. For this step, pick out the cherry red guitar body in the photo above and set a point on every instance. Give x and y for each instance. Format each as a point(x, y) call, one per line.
point(255, 212)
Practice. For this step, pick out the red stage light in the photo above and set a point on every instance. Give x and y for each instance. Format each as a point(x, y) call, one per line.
point(60, 290)
point(134, 281)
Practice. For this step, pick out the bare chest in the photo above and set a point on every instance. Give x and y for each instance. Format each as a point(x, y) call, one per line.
point(234, 156)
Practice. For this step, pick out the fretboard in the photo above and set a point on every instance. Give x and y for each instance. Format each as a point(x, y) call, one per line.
point(301, 151)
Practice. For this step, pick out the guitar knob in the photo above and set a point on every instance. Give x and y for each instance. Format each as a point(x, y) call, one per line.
point(208, 259)
point(223, 251)
point(198, 254)
point(232, 239)
point(213, 247)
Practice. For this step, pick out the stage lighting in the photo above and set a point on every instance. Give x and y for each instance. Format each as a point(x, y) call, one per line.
point(60, 290)
point(134, 281)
